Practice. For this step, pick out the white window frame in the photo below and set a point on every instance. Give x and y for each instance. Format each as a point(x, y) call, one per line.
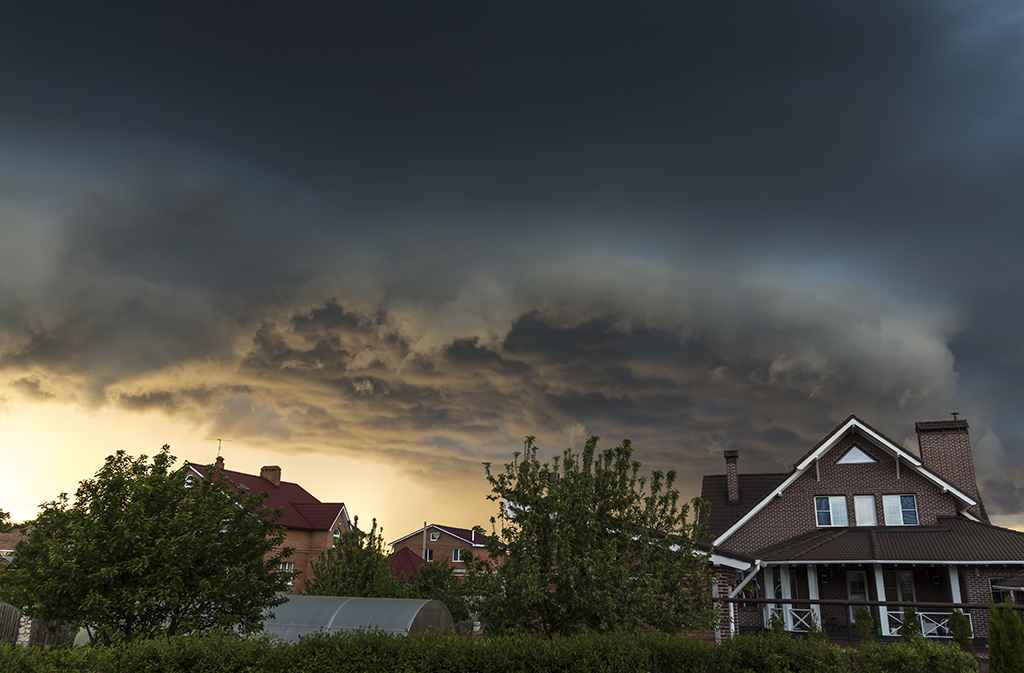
point(902, 509)
point(457, 555)
point(289, 567)
point(434, 536)
point(832, 501)
point(856, 512)
point(429, 555)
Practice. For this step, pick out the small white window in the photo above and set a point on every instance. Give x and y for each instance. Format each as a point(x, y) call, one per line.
point(188, 481)
point(457, 555)
point(429, 556)
point(830, 510)
point(435, 536)
point(900, 510)
point(854, 456)
point(864, 510)
point(289, 567)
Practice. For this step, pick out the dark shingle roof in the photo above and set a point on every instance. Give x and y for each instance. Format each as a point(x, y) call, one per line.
point(722, 514)
point(952, 538)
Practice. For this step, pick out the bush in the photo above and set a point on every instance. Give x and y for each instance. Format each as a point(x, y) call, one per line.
point(369, 653)
point(911, 629)
point(864, 624)
point(1006, 640)
point(960, 630)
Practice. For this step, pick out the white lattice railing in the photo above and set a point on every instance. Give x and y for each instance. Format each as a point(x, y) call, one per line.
point(801, 620)
point(933, 624)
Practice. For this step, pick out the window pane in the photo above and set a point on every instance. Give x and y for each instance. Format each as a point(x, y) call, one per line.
point(891, 510)
point(839, 515)
point(822, 511)
point(864, 510)
point(824, 519)
point(909, 504)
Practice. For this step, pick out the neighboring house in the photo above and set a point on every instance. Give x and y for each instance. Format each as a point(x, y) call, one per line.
point(860, 517)
point(310, 526)
point(453, 545)
point(8, 541)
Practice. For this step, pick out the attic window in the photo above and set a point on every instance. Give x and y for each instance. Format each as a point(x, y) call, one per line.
point(435, 536)
point(855, 456)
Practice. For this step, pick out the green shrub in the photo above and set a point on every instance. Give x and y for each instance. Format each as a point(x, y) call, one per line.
point(960, 630)
point(600, 653)
point(1005, 640)
point(864, 624)
point(911, 629)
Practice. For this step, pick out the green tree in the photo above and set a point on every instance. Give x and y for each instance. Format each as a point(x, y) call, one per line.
point(5, 521)
point(356, 565)
point(437, 581)
point(138, 554)
point(960, 630)
point(585, 542)
point(1005, 640)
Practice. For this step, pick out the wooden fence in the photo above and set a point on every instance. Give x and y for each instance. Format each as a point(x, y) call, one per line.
point(10, 617)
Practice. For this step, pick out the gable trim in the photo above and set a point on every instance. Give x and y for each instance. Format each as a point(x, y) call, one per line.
point(440, 528)
point(822, 449)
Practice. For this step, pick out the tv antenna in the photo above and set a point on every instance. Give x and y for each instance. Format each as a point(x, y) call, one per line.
point(220, 441)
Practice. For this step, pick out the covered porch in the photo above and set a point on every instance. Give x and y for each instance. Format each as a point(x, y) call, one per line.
point(858, 582)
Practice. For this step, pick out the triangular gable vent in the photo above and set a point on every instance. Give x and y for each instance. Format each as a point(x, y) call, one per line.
point(855, 456)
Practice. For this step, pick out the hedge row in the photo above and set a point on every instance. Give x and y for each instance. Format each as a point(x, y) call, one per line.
point(648, 653)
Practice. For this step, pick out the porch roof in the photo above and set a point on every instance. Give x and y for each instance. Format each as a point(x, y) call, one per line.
point(951, 539)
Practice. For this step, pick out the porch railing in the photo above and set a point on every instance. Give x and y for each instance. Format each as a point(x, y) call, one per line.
point(801, 620)
point(933, 624)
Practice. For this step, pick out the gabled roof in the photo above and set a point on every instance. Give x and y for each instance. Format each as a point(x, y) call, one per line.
point(465, 534)
point(821, 448)
point(298, 508)
point(952, 539)
point(722, 514)
point(405, 564)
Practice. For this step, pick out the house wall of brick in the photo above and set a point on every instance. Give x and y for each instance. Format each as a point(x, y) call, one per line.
point(442, 548)
point(793, 513)
point(977, 588)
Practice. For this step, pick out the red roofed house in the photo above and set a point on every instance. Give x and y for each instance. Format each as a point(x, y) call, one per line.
point(435, 542)
point(405, 564)
point(310, 526)
point(861, 518)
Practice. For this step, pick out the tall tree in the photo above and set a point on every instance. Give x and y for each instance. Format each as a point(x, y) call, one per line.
point(5, 521)
point(143, 552)
point(586, 541)
point(437, 581)
point(356, 565)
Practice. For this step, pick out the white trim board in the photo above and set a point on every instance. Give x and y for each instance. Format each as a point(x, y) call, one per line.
point(1018, 562)
point(440, 528)
point(823, 448)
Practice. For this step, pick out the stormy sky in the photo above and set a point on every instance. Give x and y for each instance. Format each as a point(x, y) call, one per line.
point(379, 244)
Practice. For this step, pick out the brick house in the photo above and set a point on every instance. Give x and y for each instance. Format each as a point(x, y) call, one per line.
point(451, 544)
point(860, 517)
point(310, 526)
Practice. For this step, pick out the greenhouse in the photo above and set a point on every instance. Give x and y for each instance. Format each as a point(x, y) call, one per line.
point(303, 615)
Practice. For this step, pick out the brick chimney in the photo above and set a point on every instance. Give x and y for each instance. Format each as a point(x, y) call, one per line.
point(732, 478)
point(271, 473)
point(946, 450)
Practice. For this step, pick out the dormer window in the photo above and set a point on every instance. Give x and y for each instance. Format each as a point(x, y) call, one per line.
point(900, 510)
point(830, 511)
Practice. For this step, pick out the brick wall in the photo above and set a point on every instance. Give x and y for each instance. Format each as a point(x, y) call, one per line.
point(946, 450)
point(977, 588)
point(793, 513)
point(442, 548)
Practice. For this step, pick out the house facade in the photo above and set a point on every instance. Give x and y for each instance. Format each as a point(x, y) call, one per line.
point(310, 526)
point(860, 518)
point(451, 544)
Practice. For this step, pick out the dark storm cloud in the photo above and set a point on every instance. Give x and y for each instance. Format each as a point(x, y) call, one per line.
point(704, 227)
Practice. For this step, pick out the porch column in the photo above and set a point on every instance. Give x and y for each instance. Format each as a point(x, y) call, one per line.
point(769, 592)
point(883, 612)
point(812, 592)
point(787, 592)
point(954, 584)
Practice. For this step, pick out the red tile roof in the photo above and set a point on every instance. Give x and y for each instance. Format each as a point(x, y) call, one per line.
point(299, 509)
point(405, 564)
